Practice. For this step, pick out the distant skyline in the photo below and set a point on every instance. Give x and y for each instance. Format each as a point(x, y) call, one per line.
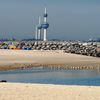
point(68, 19)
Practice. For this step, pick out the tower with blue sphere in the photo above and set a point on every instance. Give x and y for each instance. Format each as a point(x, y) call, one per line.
point(45, 25)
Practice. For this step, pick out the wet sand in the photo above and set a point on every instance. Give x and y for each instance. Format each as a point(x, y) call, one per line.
point(13, 59)
point(17, 91)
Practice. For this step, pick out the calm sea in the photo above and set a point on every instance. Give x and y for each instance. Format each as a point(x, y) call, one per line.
point(50, 76)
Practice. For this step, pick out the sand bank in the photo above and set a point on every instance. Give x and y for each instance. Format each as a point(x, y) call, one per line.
point(16, 91)
point(12, 59)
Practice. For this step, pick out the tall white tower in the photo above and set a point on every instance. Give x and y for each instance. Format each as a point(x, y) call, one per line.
point(39, 27)
point(45, 25)
point(36, 33)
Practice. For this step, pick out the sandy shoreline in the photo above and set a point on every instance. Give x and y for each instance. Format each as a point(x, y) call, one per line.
point(17, 91)
point(13, 59)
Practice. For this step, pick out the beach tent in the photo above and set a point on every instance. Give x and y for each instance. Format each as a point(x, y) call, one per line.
point(12, 47)
point(4, 47)
point(27, 48)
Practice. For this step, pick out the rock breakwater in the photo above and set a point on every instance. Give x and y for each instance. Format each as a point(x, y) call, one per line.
point(89, 49)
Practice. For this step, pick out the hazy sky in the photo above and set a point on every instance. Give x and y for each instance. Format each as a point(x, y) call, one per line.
point(68, 19)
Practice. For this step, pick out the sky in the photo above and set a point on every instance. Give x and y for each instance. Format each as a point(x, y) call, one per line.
point(68, 19)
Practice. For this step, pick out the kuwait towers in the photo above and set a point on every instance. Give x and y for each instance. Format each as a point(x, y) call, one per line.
point(44, 26)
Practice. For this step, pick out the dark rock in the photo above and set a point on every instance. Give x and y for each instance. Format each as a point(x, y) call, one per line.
point(3, 81)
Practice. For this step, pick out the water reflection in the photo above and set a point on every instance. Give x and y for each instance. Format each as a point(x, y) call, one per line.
point(48, 76)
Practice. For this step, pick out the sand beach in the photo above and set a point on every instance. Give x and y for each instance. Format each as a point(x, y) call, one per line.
point(12, 59)
point(17, 91)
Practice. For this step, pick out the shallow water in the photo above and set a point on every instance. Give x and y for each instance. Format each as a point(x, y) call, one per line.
point(49, 76)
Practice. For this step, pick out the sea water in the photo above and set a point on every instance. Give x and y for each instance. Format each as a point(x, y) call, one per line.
point(51, 76)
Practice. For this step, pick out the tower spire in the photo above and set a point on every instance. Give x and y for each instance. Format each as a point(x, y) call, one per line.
point(36, 34)
point(39, 20)
point(45, 10)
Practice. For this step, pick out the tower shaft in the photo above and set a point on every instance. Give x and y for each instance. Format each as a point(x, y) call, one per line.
point(45, 35)
point(39, 34)
point(45, 19)
point(36, 34)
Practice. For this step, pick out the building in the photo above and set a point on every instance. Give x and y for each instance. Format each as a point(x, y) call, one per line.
point(44, 26)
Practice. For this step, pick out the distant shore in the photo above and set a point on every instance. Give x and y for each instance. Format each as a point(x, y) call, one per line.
point(21, 59)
